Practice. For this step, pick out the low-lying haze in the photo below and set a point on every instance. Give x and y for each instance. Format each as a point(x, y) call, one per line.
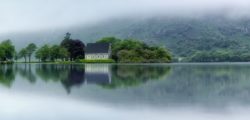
point(29, 15)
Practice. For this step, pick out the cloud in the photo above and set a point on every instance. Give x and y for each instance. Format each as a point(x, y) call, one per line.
point(23, 15)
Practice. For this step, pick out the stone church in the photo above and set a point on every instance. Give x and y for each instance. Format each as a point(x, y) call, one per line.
point(97, 51)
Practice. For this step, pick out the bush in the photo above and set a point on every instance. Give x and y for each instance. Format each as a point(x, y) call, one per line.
point(97, 61)
point(134, 51)
point(6, 62)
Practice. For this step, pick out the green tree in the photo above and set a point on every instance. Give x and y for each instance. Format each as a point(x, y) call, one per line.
point(112, 40)
point(54, 52)
point(43, 53)
point(31, 48)
point(16, 56)
point(130, 50)
point(38, 55)
point(58, 52)
point(63, 53)
point(7, 50)
point(23, 54)
point(2, 53)
point(66, 41)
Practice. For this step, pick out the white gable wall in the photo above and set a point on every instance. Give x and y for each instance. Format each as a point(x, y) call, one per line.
point(97, 56)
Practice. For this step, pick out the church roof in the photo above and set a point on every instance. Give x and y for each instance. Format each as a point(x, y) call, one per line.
point(97, 48)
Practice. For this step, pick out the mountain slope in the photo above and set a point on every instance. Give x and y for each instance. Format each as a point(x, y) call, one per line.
point(182, 36)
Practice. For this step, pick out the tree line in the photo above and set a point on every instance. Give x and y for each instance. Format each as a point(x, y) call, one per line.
point(126, 51)
point(134, 51)
point(69, 49)
point(219, 56)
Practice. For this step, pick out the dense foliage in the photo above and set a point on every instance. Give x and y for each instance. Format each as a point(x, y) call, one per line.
point(69, 49)
point(219, 56)
point(7, 51)
point(51, 53)
point(23, 54)
point(130, 51)
point(27, 52)
point(74, 47)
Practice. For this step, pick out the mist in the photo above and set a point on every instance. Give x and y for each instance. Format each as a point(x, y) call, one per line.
point(30, 107)
point(30, 15)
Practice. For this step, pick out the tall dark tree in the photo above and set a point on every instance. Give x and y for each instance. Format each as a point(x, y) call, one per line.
point(67, 36)
point(74, 47)
point(66, 41)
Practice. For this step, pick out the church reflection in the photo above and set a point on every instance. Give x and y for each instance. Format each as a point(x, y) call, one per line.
point(88, 74)
point(97, 74)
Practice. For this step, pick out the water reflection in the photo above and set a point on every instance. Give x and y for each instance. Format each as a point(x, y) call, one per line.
point(26, 72)
point(176, 91)
point(97, 74)
point(133, 75)
point(213, 85)
point(7, 75)
point(103, 75)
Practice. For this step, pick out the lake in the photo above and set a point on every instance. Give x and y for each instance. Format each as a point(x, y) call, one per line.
point(217, 91)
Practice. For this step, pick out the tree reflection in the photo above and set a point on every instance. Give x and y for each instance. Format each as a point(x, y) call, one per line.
point(26, 72)
point(52, 72)
point(105, 75)
point(210, 84)
point(108, 76)
point(7, 75)
point(75, 77)
point(133, 75)
point(68, 75)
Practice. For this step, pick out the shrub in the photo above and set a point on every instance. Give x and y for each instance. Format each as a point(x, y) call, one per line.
point(6, 62)
point(97, 61)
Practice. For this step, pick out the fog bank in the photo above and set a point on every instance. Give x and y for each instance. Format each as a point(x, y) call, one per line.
point(29, 15)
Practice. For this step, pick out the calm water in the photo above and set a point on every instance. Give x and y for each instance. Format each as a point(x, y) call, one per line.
point(216, 91)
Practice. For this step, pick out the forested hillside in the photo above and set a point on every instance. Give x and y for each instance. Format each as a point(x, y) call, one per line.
point(193, 39)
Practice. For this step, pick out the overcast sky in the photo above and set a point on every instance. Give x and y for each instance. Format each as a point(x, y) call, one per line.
point(27, 15)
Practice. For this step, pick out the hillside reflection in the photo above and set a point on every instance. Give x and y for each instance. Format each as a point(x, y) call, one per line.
point(103, 75)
